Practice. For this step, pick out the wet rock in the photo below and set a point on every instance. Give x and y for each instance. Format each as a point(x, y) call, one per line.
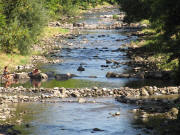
point(97, 129)
point(80, 68)
point(119, 50)
point(78, 24)
point(108, 61)
point(116, 75)
point(122, 99)
point(27, 125)
point(64, 76)
point(39, 76)
point(115, 114)
point(111, 74)
point(104, 66)
point(112, 61)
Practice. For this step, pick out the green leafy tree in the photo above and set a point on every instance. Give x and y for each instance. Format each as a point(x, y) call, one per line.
point(24, 21)
point(164, 16)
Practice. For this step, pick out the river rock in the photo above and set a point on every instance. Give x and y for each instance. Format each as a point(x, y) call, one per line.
point(57, 93)
point(173, 90)
point(81, 100)
point(95, 88)
point(22, 75)
point(173, 113)
point(78, 24)
point(64, 76)
point(97, 129)
point(144, 92)
point(75, 94)
point(150, 90)
point(108, 61)
point(80, 68)
point(39, 76)
point(115, 114)
point(62, 90)
point(117, 75)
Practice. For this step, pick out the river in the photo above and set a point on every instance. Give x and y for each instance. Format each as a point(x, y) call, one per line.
point(64, 118)
point(90, 49)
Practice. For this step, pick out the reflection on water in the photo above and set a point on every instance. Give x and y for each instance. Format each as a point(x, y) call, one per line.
point(78, 119)
point(88, 83)
point(10, 82)
point(36, 83)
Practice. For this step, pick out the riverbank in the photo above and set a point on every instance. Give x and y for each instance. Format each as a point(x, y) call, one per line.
point(79, 95)
point(47, 43)
point(149, 60)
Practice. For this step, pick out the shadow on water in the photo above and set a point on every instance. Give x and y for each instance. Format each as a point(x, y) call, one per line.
point(138, 83)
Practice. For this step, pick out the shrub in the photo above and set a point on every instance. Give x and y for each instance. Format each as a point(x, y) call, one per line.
point(24, 21)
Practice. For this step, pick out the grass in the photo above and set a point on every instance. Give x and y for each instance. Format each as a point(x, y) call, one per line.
point(153, 44)
point(115, 17)
point(145, 22)
point(16, 59)
point(49, 32)
point(12, 60)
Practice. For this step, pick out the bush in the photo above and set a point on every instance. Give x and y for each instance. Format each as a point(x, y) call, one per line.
point(24, 21)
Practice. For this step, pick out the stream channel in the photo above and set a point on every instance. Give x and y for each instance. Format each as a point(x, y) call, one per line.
point(91, 49)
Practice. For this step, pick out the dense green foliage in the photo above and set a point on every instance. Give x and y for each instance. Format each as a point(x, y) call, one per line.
point(164, 16)
point(21, 21)
point(70, 7)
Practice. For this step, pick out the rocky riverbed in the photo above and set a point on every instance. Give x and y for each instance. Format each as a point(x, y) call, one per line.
point(123, 94)
point(142, 68)
point(43, 93)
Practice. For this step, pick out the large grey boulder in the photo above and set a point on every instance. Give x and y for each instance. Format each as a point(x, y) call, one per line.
point(117, 75)
point(22, 75)
point(61, 77)
point(39, 76)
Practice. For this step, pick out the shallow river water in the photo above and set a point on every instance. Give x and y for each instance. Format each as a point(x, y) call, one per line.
point(64, 118)
point(91, 49)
